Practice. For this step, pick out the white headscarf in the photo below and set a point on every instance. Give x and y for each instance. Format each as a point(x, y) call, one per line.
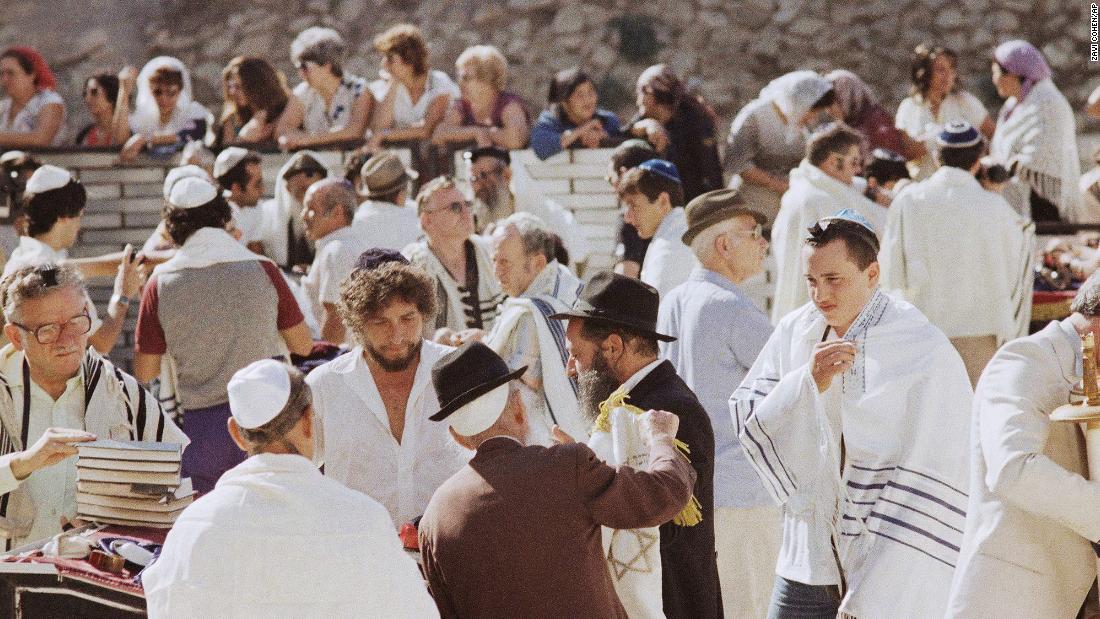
point(146, 111)
point(795, 93)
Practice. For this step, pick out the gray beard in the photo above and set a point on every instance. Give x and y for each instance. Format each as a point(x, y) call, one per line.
point(493, 206)
point(594, 386)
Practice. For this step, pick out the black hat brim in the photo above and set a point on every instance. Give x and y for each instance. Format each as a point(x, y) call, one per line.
point(611, 321)
point(474, 393)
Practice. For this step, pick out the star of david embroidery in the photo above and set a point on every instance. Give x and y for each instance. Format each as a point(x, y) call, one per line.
point(639, 562)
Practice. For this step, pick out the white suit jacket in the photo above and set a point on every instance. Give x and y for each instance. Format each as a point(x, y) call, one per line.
point(1026, 550)
point(276, 538)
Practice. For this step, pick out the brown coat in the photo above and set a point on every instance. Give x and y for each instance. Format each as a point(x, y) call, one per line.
point(516, 533)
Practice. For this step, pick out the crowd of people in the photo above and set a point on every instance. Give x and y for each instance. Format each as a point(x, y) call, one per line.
point(643, 442)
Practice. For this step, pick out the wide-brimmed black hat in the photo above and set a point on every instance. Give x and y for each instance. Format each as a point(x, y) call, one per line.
point(465, 374)
point(618, 300)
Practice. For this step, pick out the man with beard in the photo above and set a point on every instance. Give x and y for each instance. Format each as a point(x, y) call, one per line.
point(372, 403)
point(612, 341)
point(495, 199)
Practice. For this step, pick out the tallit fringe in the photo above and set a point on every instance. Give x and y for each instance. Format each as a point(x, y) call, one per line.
point(692, 514)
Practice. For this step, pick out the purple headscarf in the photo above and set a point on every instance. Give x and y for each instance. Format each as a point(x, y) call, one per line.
point(852, 93)
point(1023, 60)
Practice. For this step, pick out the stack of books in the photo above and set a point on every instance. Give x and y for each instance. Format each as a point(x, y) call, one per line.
point(135, 483)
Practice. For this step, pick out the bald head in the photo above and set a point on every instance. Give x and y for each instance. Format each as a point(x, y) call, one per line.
point(332, 193)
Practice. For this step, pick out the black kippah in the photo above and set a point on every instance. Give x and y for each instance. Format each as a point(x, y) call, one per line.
point(48, 273)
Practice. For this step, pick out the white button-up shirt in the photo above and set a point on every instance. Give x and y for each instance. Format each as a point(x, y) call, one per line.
point(354, 440)
point(668, 262)
point(388, 225)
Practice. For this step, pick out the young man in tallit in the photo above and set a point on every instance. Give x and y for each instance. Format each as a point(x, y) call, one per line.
point(855, 415)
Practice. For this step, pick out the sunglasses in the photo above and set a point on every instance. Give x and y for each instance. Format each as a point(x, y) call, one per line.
point(166, 92)
point(304, 65)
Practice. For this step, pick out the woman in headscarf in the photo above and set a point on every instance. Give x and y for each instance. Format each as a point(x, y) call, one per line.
point(680, 126)
point(859, 109)
point(165, 117)
point(573, 118)
point(934, 101)
point(768, 136)
point(100, 94)
point(31, 112)
point(1036, 138)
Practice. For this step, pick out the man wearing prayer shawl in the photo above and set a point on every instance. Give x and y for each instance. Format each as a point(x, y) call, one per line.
point(56, 391)
point(855, 415)
point(525, 335)
point(276, 538)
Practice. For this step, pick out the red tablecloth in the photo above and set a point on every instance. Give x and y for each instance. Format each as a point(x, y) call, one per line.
point(81, 569)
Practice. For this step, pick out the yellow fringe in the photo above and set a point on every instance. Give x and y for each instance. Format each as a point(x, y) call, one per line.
point(692, 514)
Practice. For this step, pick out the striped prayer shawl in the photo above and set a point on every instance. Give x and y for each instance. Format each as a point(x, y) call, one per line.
point(878, 463)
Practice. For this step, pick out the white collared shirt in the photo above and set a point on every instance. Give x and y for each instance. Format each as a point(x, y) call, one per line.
point(668, 262)
point(354, 440)
point(640, 375)
point(337, 253)
point(32, 252)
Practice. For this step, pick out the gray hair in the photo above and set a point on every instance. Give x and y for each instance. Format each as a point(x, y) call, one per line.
point(533, 233)
point(35, 282)
point(320, 45)
point(703, 243)
point(1087, 301)
point(336, 193)
point(275, 431)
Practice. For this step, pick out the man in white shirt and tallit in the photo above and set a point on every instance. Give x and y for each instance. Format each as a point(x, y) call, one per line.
point(960, 253)
point(275, 538)
point(1034, 514)
point(855, 416)
point(56, 391)
point(538, 286)
point(372, 403)
point(825, 182)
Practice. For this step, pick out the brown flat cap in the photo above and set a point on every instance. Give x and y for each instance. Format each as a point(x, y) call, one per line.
point(714, 207)
point(384, 174)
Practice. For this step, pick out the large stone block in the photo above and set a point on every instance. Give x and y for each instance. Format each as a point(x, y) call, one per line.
point(126, 205)
point(117, 238)
point(122, 175)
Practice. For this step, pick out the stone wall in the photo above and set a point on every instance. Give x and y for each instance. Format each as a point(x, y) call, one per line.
point(727, 48)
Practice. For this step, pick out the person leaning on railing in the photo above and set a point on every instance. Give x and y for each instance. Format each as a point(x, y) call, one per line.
point(257, 104)
point(486, 113)
point(32, 114)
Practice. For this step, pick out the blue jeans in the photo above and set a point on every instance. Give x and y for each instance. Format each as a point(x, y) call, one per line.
point(795, 600)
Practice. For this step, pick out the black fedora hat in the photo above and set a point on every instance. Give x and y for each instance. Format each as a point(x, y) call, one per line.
point(618, 300)
point(467, 373)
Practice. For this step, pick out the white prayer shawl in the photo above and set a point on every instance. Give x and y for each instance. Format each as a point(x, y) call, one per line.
point(960, 254)
point(114, 402)
point(639, 590)
point(279, 211)
point(1041, 137)
point(559, 392)
point(275, 538)
point(902, 412)
point(454, 314)
point(813, 194)
point(205, 247)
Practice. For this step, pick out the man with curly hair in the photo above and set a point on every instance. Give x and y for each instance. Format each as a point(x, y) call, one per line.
point(372, 404)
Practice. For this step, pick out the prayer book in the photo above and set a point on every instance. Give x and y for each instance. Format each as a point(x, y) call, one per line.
point(147, 451)
point(135, 483)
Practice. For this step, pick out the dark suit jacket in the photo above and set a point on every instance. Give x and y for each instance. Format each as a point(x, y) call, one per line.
point(688, 564)
point(516, 533)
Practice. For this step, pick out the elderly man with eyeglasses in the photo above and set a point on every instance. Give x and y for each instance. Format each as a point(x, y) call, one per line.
point(56, 392)
point(458, 260)
point(719, 333)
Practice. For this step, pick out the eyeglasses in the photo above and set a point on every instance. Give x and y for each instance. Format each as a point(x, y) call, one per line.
point(454, 207)
point(51, 332)
point(170, 91)
point(755, 234)
point(303, 65)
